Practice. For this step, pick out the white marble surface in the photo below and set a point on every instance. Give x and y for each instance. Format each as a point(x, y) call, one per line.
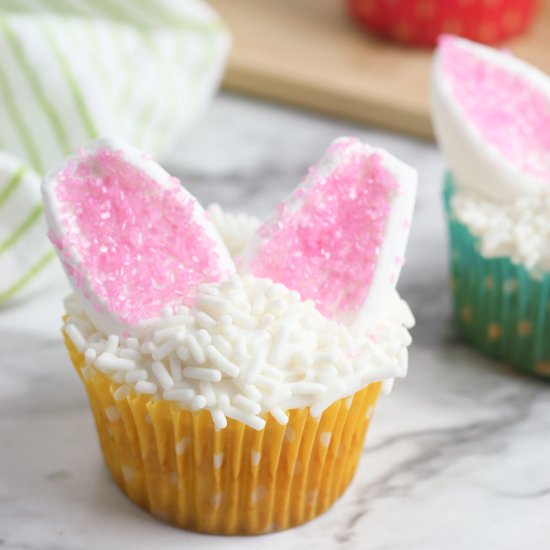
point(458, 456)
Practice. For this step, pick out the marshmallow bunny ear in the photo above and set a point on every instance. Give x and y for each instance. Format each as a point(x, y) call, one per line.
point(491, 114)
point(340, 238)
point(130, 238)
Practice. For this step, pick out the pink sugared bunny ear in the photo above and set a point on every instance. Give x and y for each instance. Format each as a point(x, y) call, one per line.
point(131, 239)
point(340, 238)
point(491, 114)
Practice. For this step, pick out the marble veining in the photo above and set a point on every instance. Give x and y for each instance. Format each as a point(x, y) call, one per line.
point(457, 457)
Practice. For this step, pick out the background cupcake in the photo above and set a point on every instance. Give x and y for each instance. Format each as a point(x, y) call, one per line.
point(420, 22)
point(233, 400)
point(492, 117)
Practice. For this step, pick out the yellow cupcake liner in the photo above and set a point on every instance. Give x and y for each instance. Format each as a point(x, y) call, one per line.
point(236, 481)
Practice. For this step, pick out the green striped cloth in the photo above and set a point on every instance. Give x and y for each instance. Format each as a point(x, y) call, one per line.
point(75, 70)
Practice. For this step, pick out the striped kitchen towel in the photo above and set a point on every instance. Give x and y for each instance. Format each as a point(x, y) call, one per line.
point(75, 70)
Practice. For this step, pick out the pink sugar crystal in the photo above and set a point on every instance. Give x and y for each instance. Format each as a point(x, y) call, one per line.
point(326, 240)
point(507, 109)
point(136, 242)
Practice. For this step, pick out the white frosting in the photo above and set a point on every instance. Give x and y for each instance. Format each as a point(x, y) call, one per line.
point(519, 230)
point(247, 348)
point(476, 164)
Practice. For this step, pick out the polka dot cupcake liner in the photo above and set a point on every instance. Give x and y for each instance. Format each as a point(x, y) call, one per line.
point(420, 22)
point(500, 308)
point(236, 481)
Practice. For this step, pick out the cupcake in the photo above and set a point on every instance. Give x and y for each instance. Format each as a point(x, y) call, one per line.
point(491, 114)
point(420, 22)
point(232, 367)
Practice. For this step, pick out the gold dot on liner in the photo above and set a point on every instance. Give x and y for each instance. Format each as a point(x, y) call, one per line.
point(510, 285)
point(466, 314)
point(366, 7)
point(524, 327)
point(543, 368)
point(493, 331)
point(401, 30)
point(425, 9)
point(511, 20)
point(452, 26)
point(489, 282)
point(487, 32)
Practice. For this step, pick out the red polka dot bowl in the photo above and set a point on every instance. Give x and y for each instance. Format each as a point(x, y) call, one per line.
point(420, 22)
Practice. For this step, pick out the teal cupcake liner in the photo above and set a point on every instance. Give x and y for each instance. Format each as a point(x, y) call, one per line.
point(499, 307)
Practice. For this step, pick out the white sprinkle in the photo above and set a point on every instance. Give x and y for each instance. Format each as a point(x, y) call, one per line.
point(117, 377)
point(325, 438)
point(265, 382)
point(76, 337)
point(308, 388)
point(225, 320)
point(281, 339)
point(179, 394)
point(200, 373)
point(223, 345)
point(162, 375)
point(282, 393)
point(164, 334)
point(208, 301)
point(255, 422)
point(90, 356)
point(223, 401)
point(183, 353)
point(325, 358)
point(194, 348)
point(258, 305)
point(175, 368)
point(199, 402)
point(203, 337)
point(136, 376)
point(112, 344)
point(267, 320)
point(240, 347)
point(279, 415)
point(249, 390)
point(132, 354)
point(246, 405)
point(222, 362)
point(204, 320)
point(277, 306)
point(243, 319)
point(272, 372)
point(146, 387)
point(387, 386)
point(132, 343)
point(121, 393)
point(147, 348)
point(255, 366)
point(219, 419)
point(107, 361)
point(327, 374)
point(168, 346)
point(208, 392)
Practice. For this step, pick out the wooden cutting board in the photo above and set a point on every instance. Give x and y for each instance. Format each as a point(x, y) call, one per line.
point(308, 53)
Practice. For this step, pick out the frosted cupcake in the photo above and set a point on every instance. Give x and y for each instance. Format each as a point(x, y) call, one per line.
point(491, 113)
point(232, 368)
